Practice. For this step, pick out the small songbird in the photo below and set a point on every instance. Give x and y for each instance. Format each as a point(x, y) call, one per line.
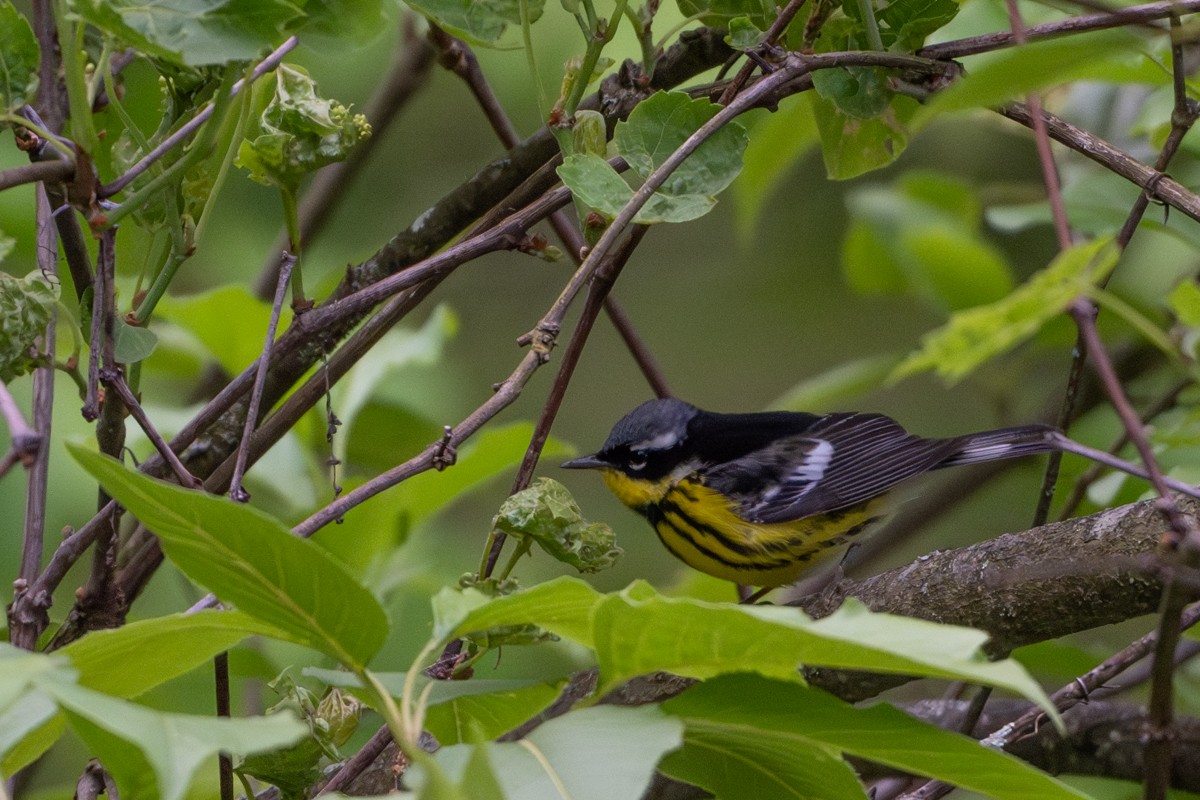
point(758, 498)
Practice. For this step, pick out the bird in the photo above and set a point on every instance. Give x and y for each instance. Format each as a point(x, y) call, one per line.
point(760, 498)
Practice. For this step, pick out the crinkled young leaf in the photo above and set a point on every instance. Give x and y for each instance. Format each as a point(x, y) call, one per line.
point(19, 54)
point(783, 723)
point(192, 32)
point(251, 560)
point(26, 305)
point(977, 334)
point(480, 22)
point(547, 513)
point(299, 132)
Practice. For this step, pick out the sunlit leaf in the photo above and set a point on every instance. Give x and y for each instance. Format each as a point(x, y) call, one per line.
point(480, 22)
point(547, 514)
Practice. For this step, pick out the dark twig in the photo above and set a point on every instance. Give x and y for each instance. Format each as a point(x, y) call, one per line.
point(355, 765)
point(114, 381)
point(778, 26)
point(221, 689)
point(191, 126)
point(51, 171)
point(286, 262)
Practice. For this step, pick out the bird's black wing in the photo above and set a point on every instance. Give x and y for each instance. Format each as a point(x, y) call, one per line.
point(842, 460)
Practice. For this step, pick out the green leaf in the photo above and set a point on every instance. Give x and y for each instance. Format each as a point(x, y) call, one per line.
point(924, 235)
point(249, 559)
point(299, 132)
point(564, 606)
point(702, 640)
point(600, 753)
point(28, 727)
point(744, 34)
point(861, 93)
point(132, 344)
point(127, 661)
point(721, 13)
point(26, 305)
point(397, 350)
point(852, 146)
point(911, 21)
point(741, 712)
point(838, 385)
point(229, 321)
point(357, 21)
point(472, 710)
point(777, 142)
point(19, 55)
point(735, 761)
point(1110, 56)
point(192, 32)
point(480, 22)
point(977, 334)
point(546, 513)
point(153, 754)
point(654, 130)
point(1185, 302)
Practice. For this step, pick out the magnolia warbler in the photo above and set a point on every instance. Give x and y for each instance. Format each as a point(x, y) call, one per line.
point(758, 498)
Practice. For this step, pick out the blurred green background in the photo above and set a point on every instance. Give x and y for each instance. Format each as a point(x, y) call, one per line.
point(737, 312)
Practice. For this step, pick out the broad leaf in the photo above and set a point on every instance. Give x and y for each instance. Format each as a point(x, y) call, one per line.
point(601, 753)
point(229, 321)
point(787, 724)
point(853, 146)
point(192, 32)
point(152, 754)
point(131, 343)
point(249, 559)
point(132, 659)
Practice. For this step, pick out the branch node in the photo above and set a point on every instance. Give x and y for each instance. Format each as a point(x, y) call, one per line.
point(446, 455)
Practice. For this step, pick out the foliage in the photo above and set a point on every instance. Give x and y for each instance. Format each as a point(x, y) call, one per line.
point(601, 686)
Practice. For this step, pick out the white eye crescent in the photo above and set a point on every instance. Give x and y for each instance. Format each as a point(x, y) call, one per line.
point(637, 460)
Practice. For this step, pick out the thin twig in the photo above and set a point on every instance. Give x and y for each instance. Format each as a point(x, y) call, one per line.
point(191, 126)
point(355, 765)
point(114, 381)
point(778, 26)
point(221, 690)
point(286, 262)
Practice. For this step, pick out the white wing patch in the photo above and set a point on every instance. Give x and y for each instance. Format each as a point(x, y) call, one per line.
point(802, 477)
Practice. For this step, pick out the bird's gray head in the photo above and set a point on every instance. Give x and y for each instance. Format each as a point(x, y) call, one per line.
point(642, 437)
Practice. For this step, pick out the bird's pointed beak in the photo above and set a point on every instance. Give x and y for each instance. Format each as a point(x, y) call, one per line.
point(585, 462)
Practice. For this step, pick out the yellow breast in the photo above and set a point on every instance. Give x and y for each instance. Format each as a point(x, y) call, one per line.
point(701, 527)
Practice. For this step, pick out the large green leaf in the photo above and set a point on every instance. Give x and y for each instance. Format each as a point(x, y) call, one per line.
point(638, 631)
point(193, 32)
point(977, 334)
point(18, 59)
point(601, 753)
point(249, 559)
point(853, 146)
point(152, 754)
point(737, 761)
point(778, 720)
point(132, 659)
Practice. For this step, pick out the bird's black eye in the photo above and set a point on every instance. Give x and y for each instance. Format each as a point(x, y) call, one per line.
point(637, 461)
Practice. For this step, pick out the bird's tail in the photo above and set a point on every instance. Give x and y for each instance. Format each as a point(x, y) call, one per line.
point(976, 448)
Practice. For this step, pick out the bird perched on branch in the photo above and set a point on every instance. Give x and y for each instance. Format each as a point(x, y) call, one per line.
point(758, 498)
